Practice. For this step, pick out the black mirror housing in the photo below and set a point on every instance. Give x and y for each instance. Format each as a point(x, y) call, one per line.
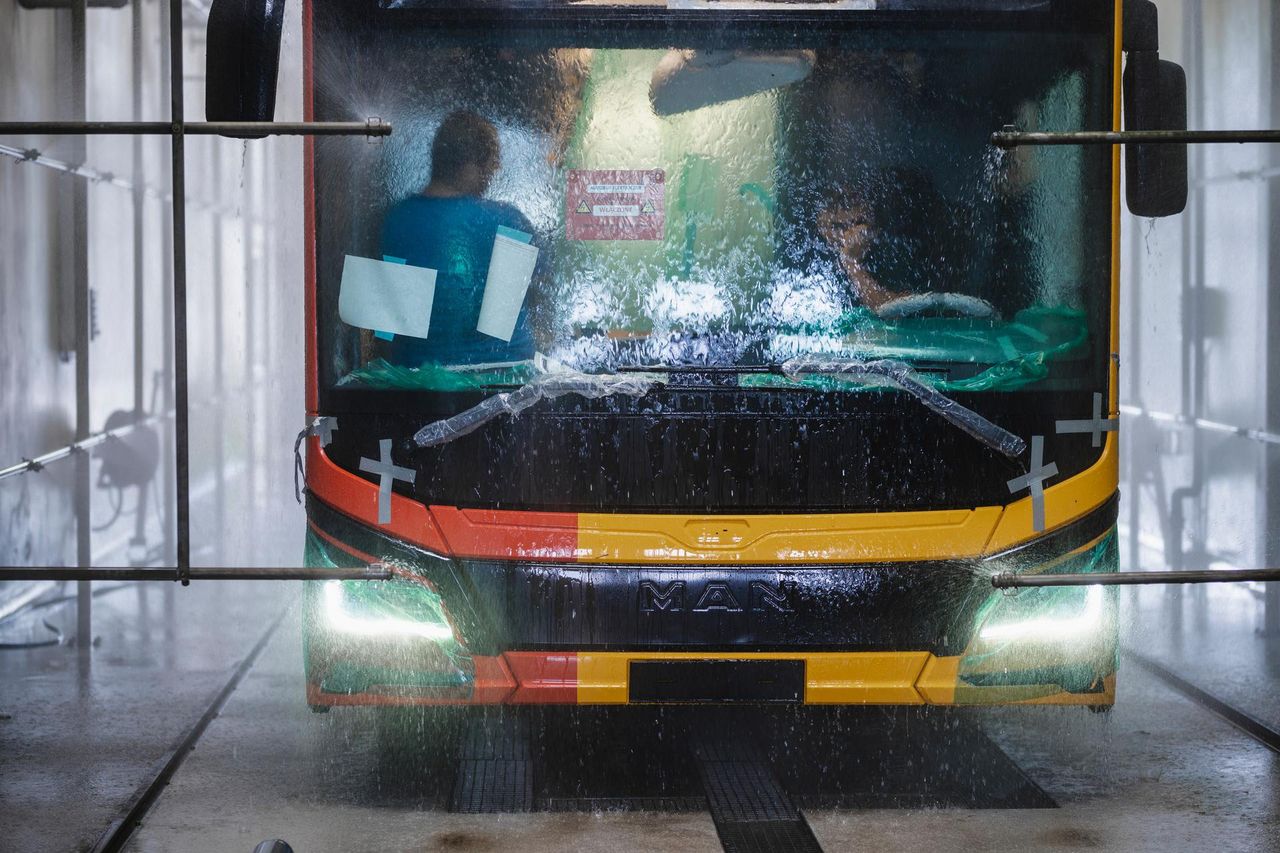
point(242, 60)
point(1155, 98)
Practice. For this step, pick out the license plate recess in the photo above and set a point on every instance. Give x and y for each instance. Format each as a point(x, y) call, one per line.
point(717, 681)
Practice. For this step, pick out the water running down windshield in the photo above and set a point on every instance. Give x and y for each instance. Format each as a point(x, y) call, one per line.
point(856, 212)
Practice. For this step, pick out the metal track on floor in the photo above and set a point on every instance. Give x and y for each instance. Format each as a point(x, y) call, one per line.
point(755, 769)
point(1250, 725)
point(121, 830)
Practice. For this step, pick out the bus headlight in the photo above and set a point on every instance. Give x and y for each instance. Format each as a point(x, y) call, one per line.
point(1070, 621)
point(1047, 636)
point(391, 609)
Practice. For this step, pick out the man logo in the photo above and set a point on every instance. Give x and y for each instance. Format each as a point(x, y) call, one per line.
point(715, 597)
point(670, 600)
point(766, 598)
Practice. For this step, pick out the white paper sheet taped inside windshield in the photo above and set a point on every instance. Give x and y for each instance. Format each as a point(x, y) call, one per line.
point(510, 271)
point(386, 297)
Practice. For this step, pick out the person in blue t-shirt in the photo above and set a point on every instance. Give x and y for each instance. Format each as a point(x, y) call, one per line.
point(449, 227)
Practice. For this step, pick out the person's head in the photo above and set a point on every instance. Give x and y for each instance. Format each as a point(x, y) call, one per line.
point(465, 154)
point(896, 225)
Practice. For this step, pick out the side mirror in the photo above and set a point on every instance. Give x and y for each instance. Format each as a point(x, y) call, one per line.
point(242, 60)
point(1155, 98)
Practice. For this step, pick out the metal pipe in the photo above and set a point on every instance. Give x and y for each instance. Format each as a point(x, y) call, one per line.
point(82, 489)
point(97, 176)
point(1017, 138)
point(372, 126)
point(34, 155)
point(168, 478)
point(219, 366)
point(136, 38)
point(1009, 580)
point(1259, 435)
point(181, 439)
point(167, 573)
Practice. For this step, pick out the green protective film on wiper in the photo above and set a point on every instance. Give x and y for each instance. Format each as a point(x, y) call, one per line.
point(1018, 353)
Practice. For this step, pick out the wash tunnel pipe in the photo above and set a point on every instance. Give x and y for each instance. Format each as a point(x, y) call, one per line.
point(372, 126)
point(373, 572)
point(1008, 580)
point(1016, 139)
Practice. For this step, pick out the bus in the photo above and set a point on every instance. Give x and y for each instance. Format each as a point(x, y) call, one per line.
point(707, 351)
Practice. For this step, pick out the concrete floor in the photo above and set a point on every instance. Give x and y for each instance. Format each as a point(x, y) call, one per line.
point(1157, 773)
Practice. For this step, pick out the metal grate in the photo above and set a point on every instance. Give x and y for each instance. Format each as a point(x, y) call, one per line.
point(495, 768)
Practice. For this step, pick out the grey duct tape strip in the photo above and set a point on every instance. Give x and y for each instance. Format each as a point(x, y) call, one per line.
point(903, 376)
point(387, 472)
point(1097, 426)
point(324, 427)
point(1033, 481)
point(544, 387)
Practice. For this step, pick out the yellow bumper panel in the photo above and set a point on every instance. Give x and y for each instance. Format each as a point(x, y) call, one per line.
point(840, 678)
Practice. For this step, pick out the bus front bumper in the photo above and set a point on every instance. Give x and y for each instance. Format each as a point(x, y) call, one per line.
point(613, 678)
point(474, 632)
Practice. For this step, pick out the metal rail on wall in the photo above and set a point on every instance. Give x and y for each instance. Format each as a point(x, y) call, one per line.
point(1018, 138)
point(177, 128)
point(373, 572)
point(1009, 580)
point(372, 126)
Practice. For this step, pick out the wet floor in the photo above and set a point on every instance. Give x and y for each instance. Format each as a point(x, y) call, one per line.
point(1159, 772)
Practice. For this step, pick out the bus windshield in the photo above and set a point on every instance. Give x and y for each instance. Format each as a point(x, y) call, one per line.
point(715, 202)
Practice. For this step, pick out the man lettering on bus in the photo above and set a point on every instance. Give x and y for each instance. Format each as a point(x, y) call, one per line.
point(449, 226)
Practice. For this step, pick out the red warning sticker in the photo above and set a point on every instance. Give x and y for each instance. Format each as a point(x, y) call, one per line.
point(615, 204)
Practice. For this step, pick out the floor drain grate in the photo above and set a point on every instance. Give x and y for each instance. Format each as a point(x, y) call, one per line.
point(751, 811)
point(495, 770)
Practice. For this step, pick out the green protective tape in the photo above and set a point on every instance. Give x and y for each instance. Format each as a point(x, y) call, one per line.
point(383, 375)
point(1019, 353)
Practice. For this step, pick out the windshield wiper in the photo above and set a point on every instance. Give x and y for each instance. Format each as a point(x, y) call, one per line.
point(902, 375)
point(636, 384)
point(546, 386)
point(702, 368)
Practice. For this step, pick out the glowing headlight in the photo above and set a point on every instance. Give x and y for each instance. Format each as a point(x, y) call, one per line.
point(1083, 625)
point(341, 616)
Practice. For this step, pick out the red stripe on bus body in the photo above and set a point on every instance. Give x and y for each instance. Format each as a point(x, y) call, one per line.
point(544, 677)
